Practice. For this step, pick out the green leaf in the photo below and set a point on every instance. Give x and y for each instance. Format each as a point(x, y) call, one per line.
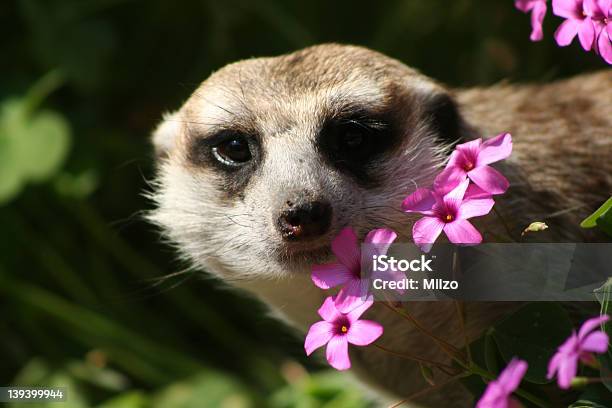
point(604, 222)
point(204, 391)
point(490, 353)
point(44, 143)
point(594, 396)
point(32, 146)
point(11, 180)
point(533, 333)
point(591, 220)
point(76, 185)
point(134, 399)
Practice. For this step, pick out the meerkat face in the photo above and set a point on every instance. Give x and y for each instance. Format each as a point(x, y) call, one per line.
point(270, 158)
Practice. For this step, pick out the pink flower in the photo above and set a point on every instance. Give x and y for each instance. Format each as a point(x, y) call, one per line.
point(538, 12)
point(604, 27)
point(499, 392)
point(582, 17)
point(578, 347)
point(348, 271)
point(448, 213)
point(338, 329)
point(472, 159)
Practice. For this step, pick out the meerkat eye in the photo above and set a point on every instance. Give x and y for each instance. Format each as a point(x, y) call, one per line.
point(350, 140)
point(353, 138)
point(233, 151)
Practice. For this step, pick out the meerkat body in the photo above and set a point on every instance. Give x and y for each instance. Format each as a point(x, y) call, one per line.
point(271, 157)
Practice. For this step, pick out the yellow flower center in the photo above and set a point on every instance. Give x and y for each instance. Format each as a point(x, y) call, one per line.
point(448, 218)
point(344, 329)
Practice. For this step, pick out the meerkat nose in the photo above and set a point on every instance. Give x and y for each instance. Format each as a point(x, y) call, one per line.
point(305, 220)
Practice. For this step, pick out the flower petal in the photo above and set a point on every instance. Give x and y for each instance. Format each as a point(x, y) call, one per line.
point(329, 275)
point(604, 45)
point(449, 179)
point(512, 375)
point(328, 310)
point(493, 397)
point(364, 332)
point(596, 342)
point(426, 230)
point(567, 8)
point(606, 7)
point(381, 237)
point(537, 18)
point(346, 248)
point(495, 149)
point(458, 192)
point(568, 367)
point(351, 295)
point(474, 192)
point(318, 335)
point(360, 309)
point(462, 232)
point(475, 208)
point(524, 5)
point(421, 201)
point(337, 353)
point(553, 365)
point(566, 32)
point(592, 9)
point(469, 150)
point(586, 34)
point(489, 179)
point(377, 242)
point(591, 324)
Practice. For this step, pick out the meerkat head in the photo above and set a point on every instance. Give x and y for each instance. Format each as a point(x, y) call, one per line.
point(271, 157)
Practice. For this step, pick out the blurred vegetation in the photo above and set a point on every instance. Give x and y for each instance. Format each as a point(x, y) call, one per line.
point(89, 297)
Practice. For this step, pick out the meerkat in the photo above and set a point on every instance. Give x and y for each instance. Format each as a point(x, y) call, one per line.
point(271, 157)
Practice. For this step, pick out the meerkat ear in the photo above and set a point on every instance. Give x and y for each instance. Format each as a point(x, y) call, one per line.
point(446, 119)
point(164, 136)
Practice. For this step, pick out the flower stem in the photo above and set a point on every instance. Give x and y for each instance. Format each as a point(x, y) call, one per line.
point(428, 390)
point(503, 221)
point(42, 89)
point(459, 307)
point(447, 347)
point(443, 367)
point(466, 341)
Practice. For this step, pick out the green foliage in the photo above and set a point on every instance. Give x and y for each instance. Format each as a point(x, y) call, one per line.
point(81, 275)
point(33, 145)
point(602, 218)
point(533, 333)
point(324, 390)
point(604, 296)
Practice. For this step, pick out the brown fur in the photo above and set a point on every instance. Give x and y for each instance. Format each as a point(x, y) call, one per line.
point(561, 169)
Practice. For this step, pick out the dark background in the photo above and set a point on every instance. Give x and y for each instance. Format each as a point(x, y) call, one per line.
point(83, 297)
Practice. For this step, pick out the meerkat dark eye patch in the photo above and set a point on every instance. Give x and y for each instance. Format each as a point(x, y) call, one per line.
point(350, 142)
point(233, 154)
point(445, 118)
point(227, 149)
